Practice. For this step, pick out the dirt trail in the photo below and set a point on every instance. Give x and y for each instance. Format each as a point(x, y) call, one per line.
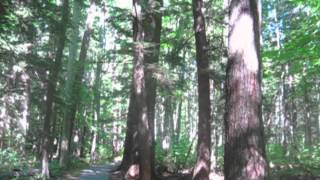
point(97, 172)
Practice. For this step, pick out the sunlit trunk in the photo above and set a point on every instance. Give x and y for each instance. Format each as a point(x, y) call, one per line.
point(244, 156)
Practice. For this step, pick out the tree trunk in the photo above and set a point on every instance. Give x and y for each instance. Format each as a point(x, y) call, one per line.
point(202, 168)
point(307, 117)
point(51, 88)
point(130, 143)
point(153, 21)
point(244, 147)
point(96, 117)
point(68, 122)
point(168, 123)
point(53, 131)
point(144, 134)
point(178, 129)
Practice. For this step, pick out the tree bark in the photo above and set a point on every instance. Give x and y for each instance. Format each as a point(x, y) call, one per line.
point(144, 134)
point(167, 123)
point(202, 168)
point(96, 117)
point(153, 22)
point(130, 143)
point(51, 89)
point(143, 92)
point(244, 147)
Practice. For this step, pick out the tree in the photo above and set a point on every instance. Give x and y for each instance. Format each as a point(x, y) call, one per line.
point(144, 134)
point(152, 28)
point(68, 122)
point(52, 81)
point(153, 23)
point(244, 147)
point(202, 168)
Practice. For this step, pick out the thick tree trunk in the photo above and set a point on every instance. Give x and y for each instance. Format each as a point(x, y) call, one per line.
point(144, 134)
point(143, 93)
point(130, 143)
point(152, 35)
point(68, 122)
point(244, 147)
point(51, 89)
point(202, 168)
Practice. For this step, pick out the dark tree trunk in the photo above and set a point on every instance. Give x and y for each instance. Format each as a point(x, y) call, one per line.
point(51, 88)
point(152, 36)
point(130, 143)
point(143, 92)
point(167, 123)
point(144, 135)
point(244, 147)
point(202, 168)
point(83, 140)
point(68, 122)
point(53, 131)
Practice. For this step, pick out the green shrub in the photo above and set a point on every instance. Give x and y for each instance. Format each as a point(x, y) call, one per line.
point(179, 156)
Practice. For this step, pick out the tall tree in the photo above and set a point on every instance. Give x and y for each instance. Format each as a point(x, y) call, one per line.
point(51, 88)
point(144, 135)
point(153, 23)
point(68, 122)
point(96, 116)
point(130, 142)
point(202, 168)
point(244, 147)
point(152, 29)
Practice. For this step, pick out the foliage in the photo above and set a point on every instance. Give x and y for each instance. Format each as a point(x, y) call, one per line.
point(178, 157)
point(10, 159)
point(302, 159)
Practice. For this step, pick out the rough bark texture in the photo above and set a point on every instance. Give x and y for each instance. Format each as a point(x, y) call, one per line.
point(167, 123)
point(130, 142)
point(68, 122)
point(144, 135)
point(152, 36)
point(51, 89)
point(143, 93)
point(244, 147)
point(202, 168)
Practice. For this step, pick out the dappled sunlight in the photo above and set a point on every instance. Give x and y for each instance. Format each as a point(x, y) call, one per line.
point(256, 164)
point(241, 40)
point(168, 89)
point(202, 167)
